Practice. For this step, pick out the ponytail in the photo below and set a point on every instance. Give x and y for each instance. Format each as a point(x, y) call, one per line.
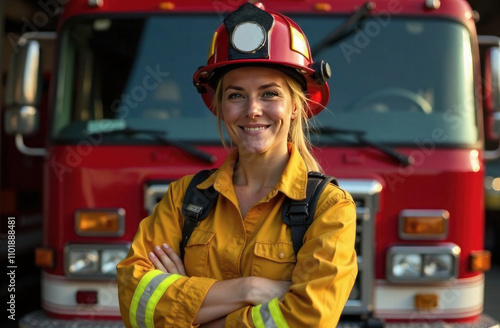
point(299, 128)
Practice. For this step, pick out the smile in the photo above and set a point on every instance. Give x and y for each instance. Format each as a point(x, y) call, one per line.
point(255, 128)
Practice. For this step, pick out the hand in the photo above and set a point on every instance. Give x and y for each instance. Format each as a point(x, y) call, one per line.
point(261, 290)
point(165, 259)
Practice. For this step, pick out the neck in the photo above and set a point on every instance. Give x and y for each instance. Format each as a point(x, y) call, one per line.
point(259, 171)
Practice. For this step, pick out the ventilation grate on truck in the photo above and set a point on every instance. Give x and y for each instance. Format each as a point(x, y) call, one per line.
point(366, 196)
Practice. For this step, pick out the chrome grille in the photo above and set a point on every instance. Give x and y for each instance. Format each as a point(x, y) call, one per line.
point(153, 193)
point(365, 194)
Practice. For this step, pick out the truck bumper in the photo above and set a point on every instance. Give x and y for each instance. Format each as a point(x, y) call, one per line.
point(484, 321)
point(38, 319)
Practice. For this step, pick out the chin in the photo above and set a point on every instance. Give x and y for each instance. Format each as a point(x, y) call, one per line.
point(254, 149)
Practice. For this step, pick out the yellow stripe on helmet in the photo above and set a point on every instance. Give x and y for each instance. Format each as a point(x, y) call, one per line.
point(299, 42)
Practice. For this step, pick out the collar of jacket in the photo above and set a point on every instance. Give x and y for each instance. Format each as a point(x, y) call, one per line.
point(293, 181)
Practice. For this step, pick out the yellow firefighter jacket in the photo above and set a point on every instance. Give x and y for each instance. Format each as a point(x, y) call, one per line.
point(226, 246)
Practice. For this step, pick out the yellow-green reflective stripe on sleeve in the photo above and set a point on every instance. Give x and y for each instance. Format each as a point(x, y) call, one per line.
point(278, 317)
point(269, 315)
point(257, 319)
point(155, 297)
point(146, 297)
point(138, 293)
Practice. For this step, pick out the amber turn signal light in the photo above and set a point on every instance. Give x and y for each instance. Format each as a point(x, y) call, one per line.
point(423, 224)
point(322, 6)
point(105, 222)
point(480, 261)
point(44, 257)
point(167, 5)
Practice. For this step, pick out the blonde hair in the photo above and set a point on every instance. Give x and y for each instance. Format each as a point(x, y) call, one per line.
point(299, 127)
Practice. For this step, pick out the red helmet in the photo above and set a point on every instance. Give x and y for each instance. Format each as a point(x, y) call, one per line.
point(252, 36)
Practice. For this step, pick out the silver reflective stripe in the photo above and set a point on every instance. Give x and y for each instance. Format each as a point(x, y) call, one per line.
point(146, 295)
point(267, 318)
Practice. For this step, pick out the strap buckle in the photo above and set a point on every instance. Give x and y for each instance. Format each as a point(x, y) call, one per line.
point(298, 213)
point(193, 211)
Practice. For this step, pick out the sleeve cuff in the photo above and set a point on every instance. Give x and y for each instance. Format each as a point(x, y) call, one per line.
point(239, 318)
point(192, 295)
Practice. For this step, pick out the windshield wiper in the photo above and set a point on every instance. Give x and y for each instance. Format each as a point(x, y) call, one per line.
point(159, 135)
point(360, 137)
point(345, 29)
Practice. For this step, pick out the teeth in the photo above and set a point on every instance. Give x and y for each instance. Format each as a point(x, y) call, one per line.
point(255, 129)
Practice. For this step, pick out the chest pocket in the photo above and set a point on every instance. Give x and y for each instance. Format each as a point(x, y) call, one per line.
point(196, 258)
point(273, 260)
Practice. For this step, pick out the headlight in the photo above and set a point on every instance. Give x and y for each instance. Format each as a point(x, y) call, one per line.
point(422, 263)
point(93, 261)
point(83, 261)
point(407, 265)
point(438, 265)
point(110, 258)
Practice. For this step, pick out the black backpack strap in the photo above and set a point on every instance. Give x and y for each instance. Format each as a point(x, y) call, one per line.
point(299, 214)
point(196, 206)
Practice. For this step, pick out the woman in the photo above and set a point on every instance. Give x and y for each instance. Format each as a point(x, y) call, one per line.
point(240, 268)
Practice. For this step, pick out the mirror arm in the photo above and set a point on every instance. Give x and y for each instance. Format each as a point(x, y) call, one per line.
point(36, 36)
point(28, 150)
point(491, 155)
point(488, 40)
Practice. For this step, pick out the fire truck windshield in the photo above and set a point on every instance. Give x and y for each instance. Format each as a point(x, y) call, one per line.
point(399, 80)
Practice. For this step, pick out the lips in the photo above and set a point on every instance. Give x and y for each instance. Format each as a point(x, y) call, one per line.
point(254, 128)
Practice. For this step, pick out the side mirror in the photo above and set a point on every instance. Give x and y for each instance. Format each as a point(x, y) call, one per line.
point(23, 90)
point(492, 91)
point(24, 120)
point(491, 94)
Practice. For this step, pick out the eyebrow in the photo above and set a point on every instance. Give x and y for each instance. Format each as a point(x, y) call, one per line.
point(265, 86)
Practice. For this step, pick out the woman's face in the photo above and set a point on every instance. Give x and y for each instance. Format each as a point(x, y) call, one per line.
point(257, 109)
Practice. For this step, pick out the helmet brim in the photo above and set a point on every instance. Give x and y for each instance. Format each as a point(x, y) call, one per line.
point(206, 79)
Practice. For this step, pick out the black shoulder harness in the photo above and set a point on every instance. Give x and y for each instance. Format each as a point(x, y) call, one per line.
point(196, 206)
point(297, 214)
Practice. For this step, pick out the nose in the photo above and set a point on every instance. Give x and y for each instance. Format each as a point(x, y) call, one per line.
point(254, 108)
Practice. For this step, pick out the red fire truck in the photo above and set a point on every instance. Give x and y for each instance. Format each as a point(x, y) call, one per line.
point(403, 133)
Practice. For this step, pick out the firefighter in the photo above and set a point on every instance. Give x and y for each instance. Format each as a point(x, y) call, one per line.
point(239, 267)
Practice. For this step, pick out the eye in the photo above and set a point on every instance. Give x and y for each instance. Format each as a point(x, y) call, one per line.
point(234, 96)
point(270, 94)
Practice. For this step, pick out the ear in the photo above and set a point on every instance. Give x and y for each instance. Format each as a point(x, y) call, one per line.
point(294, 112)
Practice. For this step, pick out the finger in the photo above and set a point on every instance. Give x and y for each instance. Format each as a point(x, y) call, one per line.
point(165, 260)
point(156, 262)
point(175, 258)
